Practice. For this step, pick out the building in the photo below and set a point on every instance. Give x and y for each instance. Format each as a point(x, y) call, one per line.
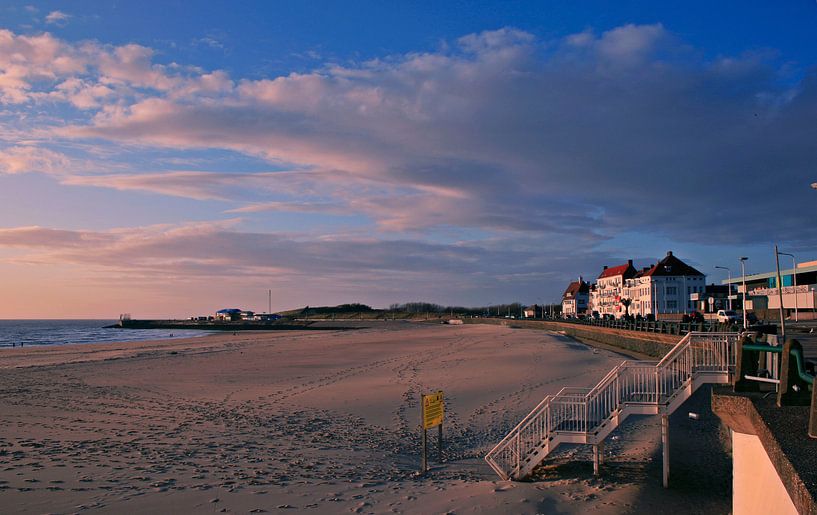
point(592, 295)
point(229, 314)
point(799, 291)
point(607, 295)
point(267, 317)
point(715, 297)
point(575, 298)
point(664, 288)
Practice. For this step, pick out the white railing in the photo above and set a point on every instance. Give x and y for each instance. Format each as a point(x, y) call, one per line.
point(582, 411)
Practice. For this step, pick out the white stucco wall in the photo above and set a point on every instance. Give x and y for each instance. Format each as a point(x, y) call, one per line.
point(756, 487)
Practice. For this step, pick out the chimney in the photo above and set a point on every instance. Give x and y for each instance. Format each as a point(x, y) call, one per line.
point(629, 262)
point(605, 267)
point(581, 279)
point(669, 253)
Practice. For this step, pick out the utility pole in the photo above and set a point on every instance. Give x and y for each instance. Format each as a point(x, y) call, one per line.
point(269, 301)
point(743, 280)
point(794, 279)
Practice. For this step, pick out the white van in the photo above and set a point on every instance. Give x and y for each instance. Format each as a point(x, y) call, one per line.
point(727, 316)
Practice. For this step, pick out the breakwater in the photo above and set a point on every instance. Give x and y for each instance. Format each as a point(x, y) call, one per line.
point(219, 325)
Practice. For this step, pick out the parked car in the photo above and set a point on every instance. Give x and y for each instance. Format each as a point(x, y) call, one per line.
point(694, 316)
point(727, 316)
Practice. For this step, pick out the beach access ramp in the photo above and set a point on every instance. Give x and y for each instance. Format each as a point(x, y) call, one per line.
point(589, 415)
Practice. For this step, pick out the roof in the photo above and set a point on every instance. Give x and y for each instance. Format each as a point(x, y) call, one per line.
point(575, 288)
point(229, 310)
point(626, 270)
point(643, 271)
point(767, 275)
point(671, 266)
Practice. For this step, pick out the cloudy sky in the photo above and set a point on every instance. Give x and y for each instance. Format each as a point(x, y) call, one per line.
point(167, 158)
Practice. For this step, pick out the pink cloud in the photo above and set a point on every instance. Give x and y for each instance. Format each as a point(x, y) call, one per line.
point(28, 158)
point(492, 133)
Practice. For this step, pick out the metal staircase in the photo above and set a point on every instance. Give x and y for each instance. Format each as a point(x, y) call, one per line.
point(589, 415)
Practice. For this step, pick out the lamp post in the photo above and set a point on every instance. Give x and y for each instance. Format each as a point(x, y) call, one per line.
point(780, 295)
point(743, 280)
point(729, 297)
point(794, 278)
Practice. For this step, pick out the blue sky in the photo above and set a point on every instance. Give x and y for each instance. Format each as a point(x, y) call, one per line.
point(262, 38)
point(453, 152)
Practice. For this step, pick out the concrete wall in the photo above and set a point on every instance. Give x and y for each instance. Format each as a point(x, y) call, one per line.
point(756, 486)
point(650, 344)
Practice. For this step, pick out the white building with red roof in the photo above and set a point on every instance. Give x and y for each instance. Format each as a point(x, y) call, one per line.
point(663, 288)
point(575, 298)
point(606, 297)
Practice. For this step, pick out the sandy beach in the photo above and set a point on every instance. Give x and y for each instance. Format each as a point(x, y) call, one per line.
point(325, 422)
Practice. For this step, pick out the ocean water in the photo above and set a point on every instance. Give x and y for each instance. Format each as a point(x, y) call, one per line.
point(66, 332)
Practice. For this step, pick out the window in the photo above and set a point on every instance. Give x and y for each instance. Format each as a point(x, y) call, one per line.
point(672, 290)
point(671, 304)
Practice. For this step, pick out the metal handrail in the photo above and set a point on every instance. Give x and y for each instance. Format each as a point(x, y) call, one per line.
point(795, 351)
point(582, 410)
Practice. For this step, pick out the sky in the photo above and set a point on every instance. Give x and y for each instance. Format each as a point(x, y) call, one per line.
point(166, 159)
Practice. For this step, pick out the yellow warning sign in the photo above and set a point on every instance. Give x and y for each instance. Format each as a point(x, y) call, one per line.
point(433, 408)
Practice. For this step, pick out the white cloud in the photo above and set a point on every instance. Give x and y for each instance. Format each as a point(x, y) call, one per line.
point(57, 18)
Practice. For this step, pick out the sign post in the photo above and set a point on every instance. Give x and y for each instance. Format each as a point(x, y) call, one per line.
point(433, 408)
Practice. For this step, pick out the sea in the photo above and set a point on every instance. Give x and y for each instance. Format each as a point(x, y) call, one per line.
point(69, 332)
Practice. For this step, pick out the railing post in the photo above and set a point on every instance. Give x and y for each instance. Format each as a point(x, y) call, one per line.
point(665, 449)
point(812, 421)
point(793, 390)
point(518, 454)
point(657, 387)
point(596, 460)
point(745, 364)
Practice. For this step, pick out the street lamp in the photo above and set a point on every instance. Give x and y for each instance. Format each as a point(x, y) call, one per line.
point(780, 295)
point(729, 297)
point(794, 278)
point(743, 280)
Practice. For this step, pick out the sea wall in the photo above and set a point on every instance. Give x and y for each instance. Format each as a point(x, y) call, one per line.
point(757, 488)
point(651, 344)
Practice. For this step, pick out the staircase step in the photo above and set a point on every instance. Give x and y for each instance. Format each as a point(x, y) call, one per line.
point(643, 400)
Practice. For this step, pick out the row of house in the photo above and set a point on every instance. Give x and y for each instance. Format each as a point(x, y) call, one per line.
point(666, 287)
